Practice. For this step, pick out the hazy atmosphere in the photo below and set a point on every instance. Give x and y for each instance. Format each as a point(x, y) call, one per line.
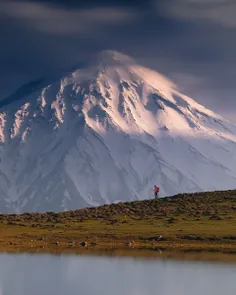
point(192, 42)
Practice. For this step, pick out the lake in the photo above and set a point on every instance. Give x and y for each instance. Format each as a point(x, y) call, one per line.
point(31, 274)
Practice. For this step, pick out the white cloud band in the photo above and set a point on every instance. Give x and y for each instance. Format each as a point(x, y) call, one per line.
point(218, 11)
point(60, 21)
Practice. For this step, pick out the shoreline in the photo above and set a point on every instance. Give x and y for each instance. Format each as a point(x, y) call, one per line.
point(188, 255)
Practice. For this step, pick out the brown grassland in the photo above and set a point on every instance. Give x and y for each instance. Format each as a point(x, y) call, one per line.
point(187, 223)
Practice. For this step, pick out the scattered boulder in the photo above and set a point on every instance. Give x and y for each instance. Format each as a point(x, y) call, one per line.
point(130, 244)
point(155, 238)
point(84, 244)
point(160, 238)
point(170, 220)
point(192, 238)
point(215, 217)
point(232, 238)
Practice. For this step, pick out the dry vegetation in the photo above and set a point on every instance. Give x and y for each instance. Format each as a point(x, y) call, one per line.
point(188, 222)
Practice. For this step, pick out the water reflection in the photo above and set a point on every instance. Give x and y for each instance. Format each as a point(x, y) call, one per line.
point(65, 275)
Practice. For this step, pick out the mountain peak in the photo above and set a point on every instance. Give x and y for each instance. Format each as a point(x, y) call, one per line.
point(113, 58)
point(107, 132)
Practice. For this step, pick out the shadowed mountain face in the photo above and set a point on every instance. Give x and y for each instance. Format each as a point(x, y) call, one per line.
point(108, 132)
point(23, 91)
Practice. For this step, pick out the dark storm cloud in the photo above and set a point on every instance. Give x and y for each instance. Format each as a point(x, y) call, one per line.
point(209, 63)
point(41, 40)
point(193, 42)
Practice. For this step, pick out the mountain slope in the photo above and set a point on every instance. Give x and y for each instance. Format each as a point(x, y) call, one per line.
point(107, 132)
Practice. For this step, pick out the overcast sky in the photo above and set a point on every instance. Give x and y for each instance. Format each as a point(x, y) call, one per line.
point(193, 42)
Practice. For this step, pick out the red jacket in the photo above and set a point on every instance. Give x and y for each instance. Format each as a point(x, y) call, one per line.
point(156, 189)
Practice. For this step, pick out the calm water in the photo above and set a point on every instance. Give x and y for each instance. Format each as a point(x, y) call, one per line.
point(65, 275)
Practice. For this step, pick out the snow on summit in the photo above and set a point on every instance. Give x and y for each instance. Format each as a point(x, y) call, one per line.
point(108, 132)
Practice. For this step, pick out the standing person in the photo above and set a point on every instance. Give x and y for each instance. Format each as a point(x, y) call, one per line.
point(156, 191)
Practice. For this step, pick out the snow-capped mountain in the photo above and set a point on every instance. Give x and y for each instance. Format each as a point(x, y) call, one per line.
point(108, 132)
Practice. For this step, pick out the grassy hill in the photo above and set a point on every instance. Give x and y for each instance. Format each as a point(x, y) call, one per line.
point(186, 222)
